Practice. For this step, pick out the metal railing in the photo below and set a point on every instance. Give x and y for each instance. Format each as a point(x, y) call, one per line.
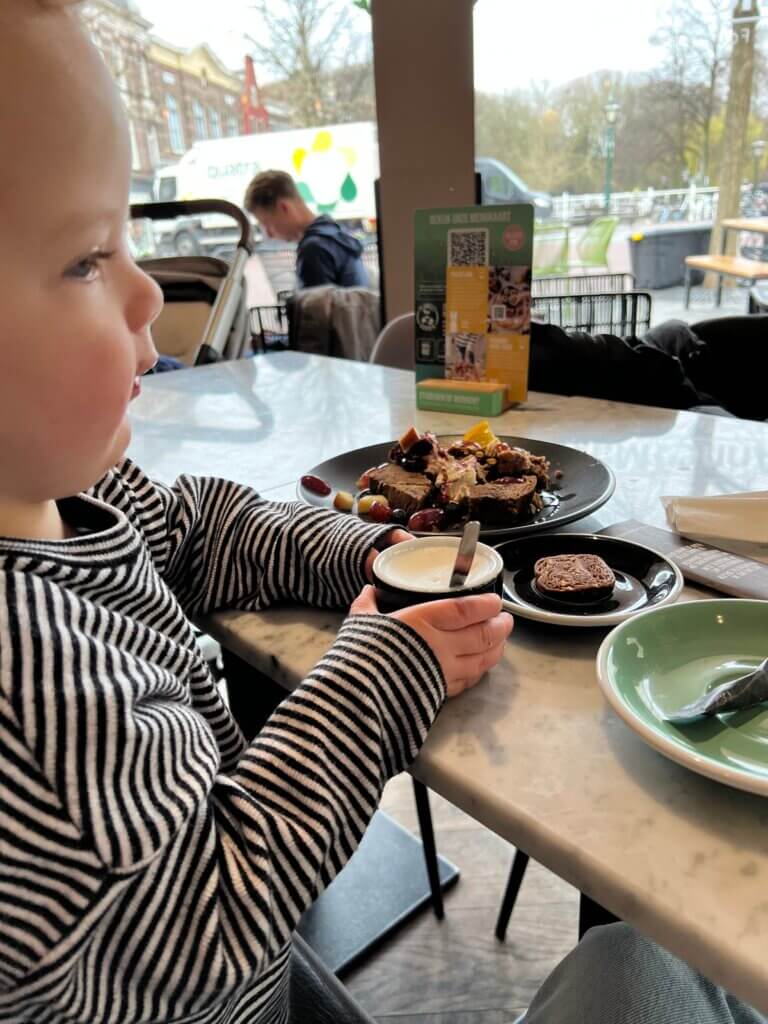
point(583, 284)
point(622, 313)
point(269, 327)
point(690, 204)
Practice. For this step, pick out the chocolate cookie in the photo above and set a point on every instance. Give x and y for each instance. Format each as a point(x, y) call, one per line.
point(574, 577)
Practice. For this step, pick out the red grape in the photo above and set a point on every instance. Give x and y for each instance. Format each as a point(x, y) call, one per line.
point(379, 512)
point(315, 485)
point(427, 520)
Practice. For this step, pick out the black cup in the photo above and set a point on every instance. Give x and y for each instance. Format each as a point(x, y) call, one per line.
point(394, 591)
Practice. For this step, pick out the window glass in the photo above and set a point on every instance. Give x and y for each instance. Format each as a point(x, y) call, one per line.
point(166, 192)
point(621, 109)
point(262, 84)
point(175, 130)
point(198, 115)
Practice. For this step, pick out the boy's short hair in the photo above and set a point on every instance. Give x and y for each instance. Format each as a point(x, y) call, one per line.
point(267, 187)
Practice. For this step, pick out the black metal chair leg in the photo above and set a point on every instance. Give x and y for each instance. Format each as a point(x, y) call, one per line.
point(519, 864)
point(592, 914)
point(421, 793)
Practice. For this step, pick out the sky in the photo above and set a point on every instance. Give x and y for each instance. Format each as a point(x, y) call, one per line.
point(516, 41)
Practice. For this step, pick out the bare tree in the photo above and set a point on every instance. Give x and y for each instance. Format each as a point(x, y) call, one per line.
point(305, 44)
point(695, 37)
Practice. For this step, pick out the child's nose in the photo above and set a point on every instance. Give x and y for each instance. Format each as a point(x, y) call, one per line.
point(146, 301)
point(144, 308)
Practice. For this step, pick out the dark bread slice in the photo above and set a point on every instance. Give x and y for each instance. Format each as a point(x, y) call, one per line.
point(575, 577)
point(501, 500)
point(401, 489)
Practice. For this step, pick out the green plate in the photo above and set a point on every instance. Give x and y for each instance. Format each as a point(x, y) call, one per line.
point(657, 661)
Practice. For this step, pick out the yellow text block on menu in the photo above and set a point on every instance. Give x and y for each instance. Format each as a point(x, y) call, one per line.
point(507, 362)
point(466, 300)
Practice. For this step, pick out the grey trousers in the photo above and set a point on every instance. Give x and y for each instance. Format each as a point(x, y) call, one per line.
point(617, 976)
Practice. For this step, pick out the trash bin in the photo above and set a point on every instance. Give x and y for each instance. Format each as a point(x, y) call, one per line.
point(658, 253)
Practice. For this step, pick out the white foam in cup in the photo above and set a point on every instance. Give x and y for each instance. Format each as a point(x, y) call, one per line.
point(424, 565)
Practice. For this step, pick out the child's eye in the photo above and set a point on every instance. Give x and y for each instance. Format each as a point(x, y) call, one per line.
point(87, 269)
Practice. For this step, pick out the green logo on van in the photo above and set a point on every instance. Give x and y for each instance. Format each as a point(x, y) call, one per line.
point(324, 172)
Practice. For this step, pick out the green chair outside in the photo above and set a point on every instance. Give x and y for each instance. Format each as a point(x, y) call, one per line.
point(592, 247)
point(550, 250)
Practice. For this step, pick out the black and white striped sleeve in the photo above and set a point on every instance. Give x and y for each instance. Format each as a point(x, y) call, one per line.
point(138, 872)
point(218, 544)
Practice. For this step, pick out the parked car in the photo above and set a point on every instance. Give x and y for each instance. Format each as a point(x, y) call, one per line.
point(500, 184)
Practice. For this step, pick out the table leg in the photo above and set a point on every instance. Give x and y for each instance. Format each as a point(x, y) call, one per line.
point(688, 273)
point(421, 794)
point(723, 252)
point(592, 914)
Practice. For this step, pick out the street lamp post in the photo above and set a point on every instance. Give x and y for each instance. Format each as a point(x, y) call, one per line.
point(611, 111)
point(758, 152)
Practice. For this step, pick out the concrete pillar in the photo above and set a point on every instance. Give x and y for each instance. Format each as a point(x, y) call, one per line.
point(422, 52)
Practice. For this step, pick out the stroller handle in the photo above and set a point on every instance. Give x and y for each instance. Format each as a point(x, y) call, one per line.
point(191, 207)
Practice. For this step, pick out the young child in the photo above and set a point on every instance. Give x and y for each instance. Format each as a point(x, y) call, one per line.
point(153, 864)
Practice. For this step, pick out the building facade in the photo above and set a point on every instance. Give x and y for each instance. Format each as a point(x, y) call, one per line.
point(197, 97)
point(172, 96)
point(122, 36)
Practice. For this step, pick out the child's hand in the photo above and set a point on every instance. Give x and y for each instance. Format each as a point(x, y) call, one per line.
point(395, 536)
point(466, 634)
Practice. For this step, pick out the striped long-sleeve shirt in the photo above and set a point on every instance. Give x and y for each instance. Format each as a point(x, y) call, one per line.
point(153, 864)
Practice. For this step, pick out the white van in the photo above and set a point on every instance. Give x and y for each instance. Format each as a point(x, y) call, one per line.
point(334, 166)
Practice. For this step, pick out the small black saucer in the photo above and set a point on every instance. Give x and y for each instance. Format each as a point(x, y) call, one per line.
point(644, 579)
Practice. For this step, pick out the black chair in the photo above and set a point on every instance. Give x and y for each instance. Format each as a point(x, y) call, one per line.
point(316, 994)
point(514, 881)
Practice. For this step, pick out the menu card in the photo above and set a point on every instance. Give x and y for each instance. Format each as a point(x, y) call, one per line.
point(700, 563)
point(473, 298)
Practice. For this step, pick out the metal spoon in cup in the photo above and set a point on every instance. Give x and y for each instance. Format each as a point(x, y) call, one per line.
point(465, 555)
point(744, 692)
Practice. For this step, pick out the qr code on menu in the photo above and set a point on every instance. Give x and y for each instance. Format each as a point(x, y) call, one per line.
point(468, 247)
point(498, 312)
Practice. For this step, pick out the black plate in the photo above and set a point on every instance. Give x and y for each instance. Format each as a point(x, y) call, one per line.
point(644, 579)
point(585, 484)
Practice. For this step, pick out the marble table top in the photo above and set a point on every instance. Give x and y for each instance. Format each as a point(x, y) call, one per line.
point(533, 752)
